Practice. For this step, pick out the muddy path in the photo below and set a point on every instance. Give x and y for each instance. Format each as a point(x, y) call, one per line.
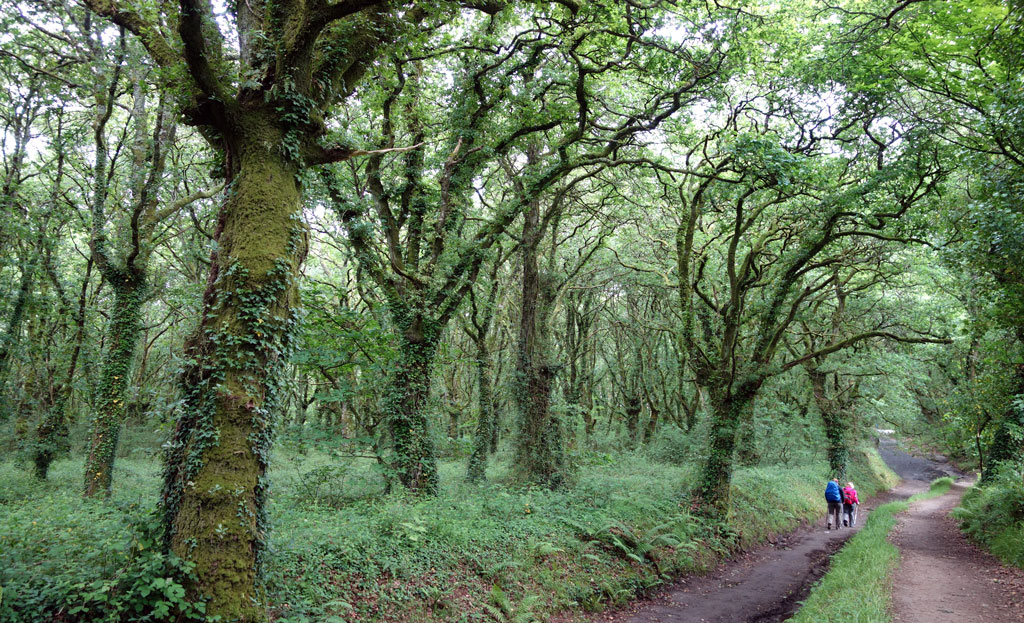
point(765, 585)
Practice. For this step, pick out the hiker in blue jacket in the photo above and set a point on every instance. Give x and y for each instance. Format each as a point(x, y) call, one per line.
point(835, 503)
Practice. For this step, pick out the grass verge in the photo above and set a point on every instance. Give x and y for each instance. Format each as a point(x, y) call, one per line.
point(992, 515)
point(857, 587)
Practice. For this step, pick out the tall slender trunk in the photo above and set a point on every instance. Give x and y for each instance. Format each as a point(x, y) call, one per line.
point(747, 451)
point(633, 407)
point(496, 421)
point(52, 433)
point(652, 424)
point(122, 336)
point(12, 336)
point(215, 485)
point(835, 425)
point(539, 444)
point(406, 400)
point(1006, 444)
point(485, 420)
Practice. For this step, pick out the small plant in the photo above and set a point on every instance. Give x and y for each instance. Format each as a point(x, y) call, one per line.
point(502, 610)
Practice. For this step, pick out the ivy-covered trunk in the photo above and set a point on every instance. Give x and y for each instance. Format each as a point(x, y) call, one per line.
point(12, 336)
point(834, 423)
point(747, 452)
point(727, 412)
point(632, 407)
point(52, 432)
point(485, 424)
point(406, 401)
point(122, 335)
point(539, 441)
point(1006, 443)
point(215, 484)
point(496, 403)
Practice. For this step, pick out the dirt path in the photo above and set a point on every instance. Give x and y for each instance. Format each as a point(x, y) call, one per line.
point(760, 586)
point(942, 578)
point(766, 584)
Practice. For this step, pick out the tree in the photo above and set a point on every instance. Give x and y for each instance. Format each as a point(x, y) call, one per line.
point(264, 113)
point(433, 243)
point(783, 211)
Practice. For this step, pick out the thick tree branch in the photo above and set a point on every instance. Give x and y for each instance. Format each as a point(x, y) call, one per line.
point(860, 337)
point(147, 32)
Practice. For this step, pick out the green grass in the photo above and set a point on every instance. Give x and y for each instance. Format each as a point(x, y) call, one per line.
point(857, 587)
point(340, 550)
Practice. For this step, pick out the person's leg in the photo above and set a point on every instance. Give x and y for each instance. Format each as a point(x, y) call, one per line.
point(853, 515)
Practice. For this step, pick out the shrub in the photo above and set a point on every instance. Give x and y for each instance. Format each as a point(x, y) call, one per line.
point(120, 573)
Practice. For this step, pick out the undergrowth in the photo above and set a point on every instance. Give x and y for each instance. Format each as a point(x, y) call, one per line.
point(350, 553)
point(857, 587)
point(993, 514)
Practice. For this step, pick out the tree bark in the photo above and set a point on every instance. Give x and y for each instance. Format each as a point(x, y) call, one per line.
point(834, 423)
point(538, 443)
point(215, 484)
point(52, 433)
point(12, 336)
point(1006, 445)
point(485, 419)
point(728, 410)
point(406, 401)
point(122, 335)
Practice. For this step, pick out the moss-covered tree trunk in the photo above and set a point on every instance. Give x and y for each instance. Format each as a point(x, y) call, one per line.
point(215, 484)
point(52, 432)
point(1006, 443)
point(121, 337)
point(538, 442)
point(747, 451)
point(727, 414)
point(485, 419)
point(12, 336)
point(408, 390)
point(835, 418)
point(632, 408)
point(496, 403)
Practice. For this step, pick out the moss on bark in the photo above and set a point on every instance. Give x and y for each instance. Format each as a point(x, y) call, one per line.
point(215, 484)
point(485, 418)
point(728, 411)
point(122, 336)
point(405, 403)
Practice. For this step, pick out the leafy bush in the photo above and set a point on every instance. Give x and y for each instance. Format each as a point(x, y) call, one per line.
point(118, 573)
point(993, 515)
point(674, 445)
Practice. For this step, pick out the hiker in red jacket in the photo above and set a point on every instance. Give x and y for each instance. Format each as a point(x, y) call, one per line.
point(850, 502)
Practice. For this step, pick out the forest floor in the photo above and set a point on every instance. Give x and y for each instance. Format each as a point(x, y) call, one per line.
point(941, 577)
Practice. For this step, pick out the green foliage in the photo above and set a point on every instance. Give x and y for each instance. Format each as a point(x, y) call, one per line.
point(119, 574)
point(993, 514)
